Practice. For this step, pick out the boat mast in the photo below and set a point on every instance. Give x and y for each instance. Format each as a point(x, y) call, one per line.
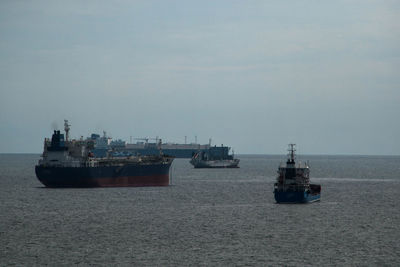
point(292, 150)
point(66, 129)
point(159, 145)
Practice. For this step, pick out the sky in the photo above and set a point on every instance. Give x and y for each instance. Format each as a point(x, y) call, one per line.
point(253, 75)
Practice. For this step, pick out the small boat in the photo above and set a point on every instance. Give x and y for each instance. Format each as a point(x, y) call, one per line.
point(293, 182)
point(214, 157)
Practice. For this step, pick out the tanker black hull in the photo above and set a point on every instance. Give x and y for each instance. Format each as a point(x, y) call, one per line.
point(156, 174)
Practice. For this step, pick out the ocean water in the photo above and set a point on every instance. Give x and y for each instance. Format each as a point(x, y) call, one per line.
point(207, 217)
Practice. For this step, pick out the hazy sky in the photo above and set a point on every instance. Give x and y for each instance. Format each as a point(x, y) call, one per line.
point(254, 75)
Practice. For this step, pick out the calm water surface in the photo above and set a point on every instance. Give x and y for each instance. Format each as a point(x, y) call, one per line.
point(206, 217)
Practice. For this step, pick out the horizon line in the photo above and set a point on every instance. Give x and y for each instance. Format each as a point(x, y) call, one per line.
point(253, 154)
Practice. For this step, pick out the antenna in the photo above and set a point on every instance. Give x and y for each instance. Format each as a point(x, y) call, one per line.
point(66, 129)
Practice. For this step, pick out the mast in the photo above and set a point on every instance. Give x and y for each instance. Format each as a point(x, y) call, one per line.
point(159, 144)
point(291, 155)
point(66, 129)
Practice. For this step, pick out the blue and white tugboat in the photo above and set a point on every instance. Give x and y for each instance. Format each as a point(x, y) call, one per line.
point(293, 183)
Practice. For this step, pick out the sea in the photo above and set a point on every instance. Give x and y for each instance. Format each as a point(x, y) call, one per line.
point(206, 217)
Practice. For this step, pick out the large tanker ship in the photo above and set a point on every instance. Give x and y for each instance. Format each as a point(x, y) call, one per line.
point(144, 146)
point(71, 163)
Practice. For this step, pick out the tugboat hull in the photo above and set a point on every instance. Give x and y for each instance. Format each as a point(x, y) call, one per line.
point(296, 197)
point(104, 176)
